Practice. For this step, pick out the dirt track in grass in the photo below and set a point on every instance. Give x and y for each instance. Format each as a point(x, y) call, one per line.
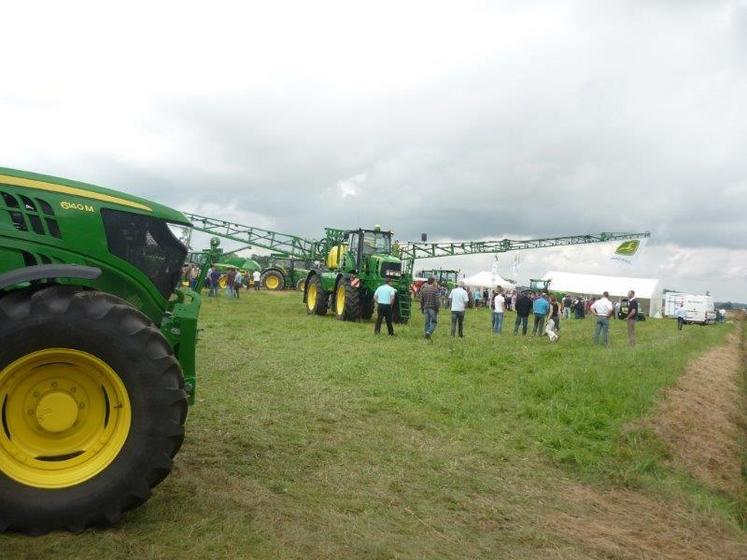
point(702, 421)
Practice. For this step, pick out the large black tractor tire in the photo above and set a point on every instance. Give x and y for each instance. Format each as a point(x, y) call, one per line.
point(93, 398)
point(317, 300)
point(346, 300)
point(272, 280)
point(367, 306)
point(396, 315)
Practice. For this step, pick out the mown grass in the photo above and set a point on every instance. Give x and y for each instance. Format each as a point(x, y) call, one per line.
point(312, 438)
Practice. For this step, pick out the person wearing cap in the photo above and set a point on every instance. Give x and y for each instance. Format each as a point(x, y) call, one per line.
point(459, 300)
point(602, 310)
point(429, 306)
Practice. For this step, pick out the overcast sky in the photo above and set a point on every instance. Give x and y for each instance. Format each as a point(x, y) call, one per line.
point(466, 120)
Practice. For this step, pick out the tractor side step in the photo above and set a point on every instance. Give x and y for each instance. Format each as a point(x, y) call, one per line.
point(403, 300)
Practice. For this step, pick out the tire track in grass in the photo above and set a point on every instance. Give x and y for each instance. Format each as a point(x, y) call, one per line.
point(703, 420)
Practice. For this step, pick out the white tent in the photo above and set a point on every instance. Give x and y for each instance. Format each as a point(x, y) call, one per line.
point(487, 280)
point(647, 290)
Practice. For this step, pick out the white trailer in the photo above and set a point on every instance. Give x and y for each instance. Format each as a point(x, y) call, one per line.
point(698, 309)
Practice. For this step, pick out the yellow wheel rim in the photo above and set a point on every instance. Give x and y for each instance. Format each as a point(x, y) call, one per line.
point(223, 281)
point(272, 282)
point(311, 297)
point(65, 417)
point(340, 299)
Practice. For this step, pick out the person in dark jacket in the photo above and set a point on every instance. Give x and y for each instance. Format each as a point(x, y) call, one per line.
point(214, 279)
point(429, 305)
point(523, 309)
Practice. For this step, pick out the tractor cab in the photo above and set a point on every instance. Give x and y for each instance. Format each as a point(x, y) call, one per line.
point(369, 242)
point(446, 278)
point(370, 251)
point(281, 261)
point(539, 284)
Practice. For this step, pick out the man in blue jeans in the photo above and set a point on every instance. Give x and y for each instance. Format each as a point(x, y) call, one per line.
point(429, 304)
point(459, 300)
point(540, 307)
point(602, 310)
point(499, 308)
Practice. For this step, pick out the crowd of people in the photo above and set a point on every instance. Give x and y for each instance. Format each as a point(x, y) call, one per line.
point(543, 308)
point(235, 280)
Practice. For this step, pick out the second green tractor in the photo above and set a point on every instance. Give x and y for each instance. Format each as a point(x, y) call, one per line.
point(356, 263)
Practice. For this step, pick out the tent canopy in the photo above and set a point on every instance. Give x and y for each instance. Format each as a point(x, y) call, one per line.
point(595, 284)
point(487, 280)
point(617, 286)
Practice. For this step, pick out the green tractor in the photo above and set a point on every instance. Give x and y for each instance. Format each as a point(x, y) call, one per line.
point(539, 284)
point(357, 263)
point(97, 351)
point(245, 266)
point(445, 278)
point(282, 272)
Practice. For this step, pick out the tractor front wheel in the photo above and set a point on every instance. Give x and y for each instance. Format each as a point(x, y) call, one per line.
point(93, 409)
point(300, 284)
point(317, 299)
point(347, 301)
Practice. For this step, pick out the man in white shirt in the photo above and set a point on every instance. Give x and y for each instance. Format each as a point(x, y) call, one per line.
point(256, 277)
point(602, 310)
point(459, 299)
point(499, 308)
point(384, 297)
point(681, 315)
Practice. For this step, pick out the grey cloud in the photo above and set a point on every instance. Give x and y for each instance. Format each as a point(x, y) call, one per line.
point(626, 116)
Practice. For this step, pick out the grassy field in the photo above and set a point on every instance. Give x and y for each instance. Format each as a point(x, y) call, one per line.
point(312, 438)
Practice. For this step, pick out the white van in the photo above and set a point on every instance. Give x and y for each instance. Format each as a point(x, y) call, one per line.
point(699, 309)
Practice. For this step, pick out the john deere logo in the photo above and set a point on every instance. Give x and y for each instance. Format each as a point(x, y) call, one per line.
point(628, 248)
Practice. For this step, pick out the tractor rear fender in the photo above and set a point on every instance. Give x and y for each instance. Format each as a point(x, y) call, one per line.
point(48, 272)
point(343, 276)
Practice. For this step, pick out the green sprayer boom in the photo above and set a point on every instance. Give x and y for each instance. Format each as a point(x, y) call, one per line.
point(288, 266)
point(287, 244)
point(422, 250)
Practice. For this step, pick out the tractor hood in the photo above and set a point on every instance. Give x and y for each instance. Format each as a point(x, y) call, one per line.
point(82, 193)
point(387, 265)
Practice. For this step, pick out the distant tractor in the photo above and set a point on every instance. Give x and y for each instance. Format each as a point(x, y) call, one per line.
point(357, 263)
point(284, 273)
point(539, 284)
point(225, 262)
point(97, 351)
point(444, 277)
